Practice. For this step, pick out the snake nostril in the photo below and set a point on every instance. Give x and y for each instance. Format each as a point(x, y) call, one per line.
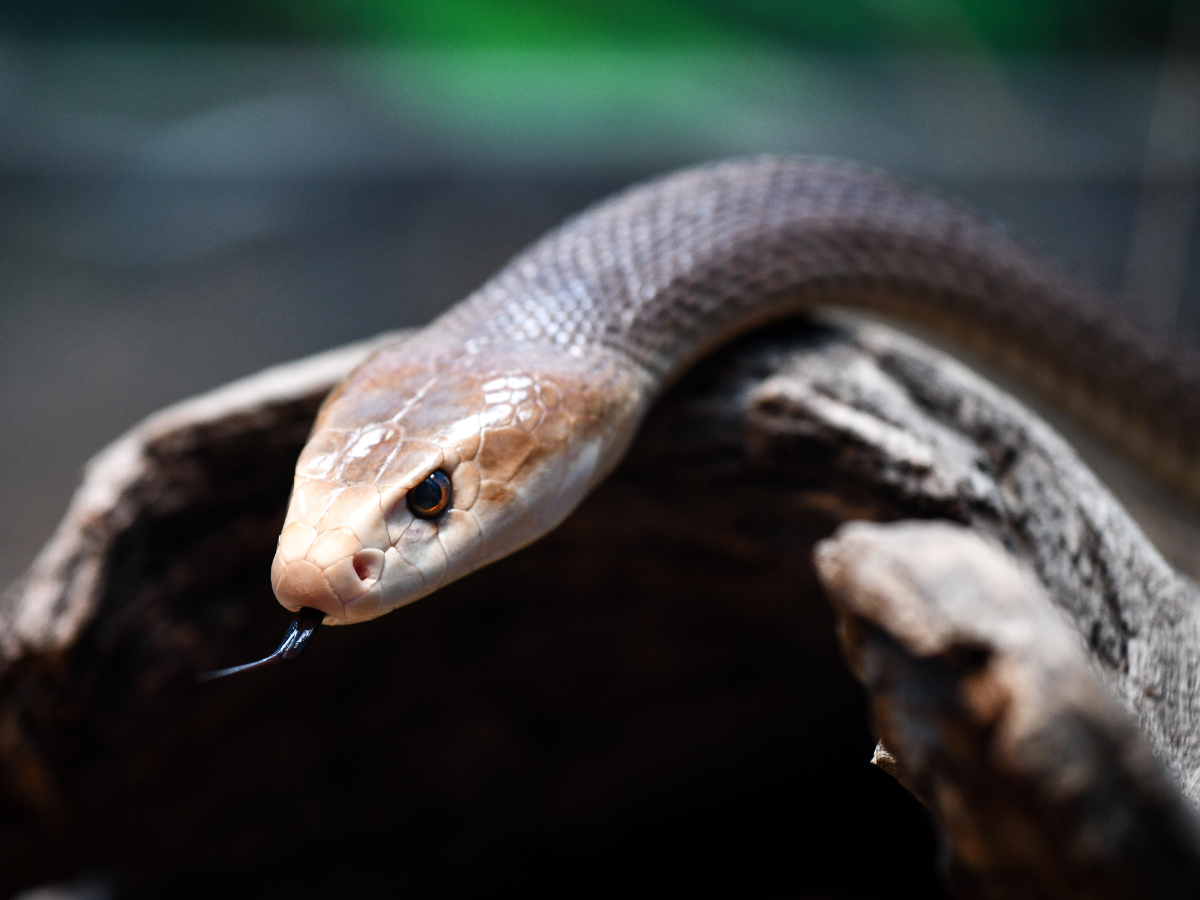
point(368, 565)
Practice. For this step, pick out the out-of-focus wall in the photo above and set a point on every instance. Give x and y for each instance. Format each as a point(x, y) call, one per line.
point(188, 196)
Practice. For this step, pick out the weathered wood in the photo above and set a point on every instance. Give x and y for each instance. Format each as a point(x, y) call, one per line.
point(921, 427)
point(991, 713)
point(663, 664)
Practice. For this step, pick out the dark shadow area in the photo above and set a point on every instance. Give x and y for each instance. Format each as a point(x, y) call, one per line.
point(649, 699)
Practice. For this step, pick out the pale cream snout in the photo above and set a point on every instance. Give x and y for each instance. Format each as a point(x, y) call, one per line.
point(330, 576)
point(520, 444)
point(340, 563)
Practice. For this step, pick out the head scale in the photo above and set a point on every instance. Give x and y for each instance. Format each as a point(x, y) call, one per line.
point(516, 439)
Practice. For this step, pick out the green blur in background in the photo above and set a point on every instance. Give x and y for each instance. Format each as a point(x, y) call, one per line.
point(1020, 26)
point(192, 190)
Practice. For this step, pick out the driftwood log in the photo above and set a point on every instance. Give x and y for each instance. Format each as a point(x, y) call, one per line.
point(653, 696)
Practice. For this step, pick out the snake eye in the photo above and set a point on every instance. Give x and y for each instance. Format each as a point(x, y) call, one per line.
point(429, 498)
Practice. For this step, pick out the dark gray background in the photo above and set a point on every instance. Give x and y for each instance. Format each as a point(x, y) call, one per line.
point(172, 217)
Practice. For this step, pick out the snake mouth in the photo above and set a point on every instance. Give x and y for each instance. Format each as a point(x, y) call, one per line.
point(300, 584)
point(338, 590)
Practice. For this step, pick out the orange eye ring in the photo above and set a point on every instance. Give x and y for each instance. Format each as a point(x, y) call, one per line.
point(429, 499)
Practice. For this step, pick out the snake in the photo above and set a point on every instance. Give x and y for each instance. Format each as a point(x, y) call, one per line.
point(480, 432)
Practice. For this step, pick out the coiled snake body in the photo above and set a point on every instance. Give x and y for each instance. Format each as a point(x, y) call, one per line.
point(482, 431)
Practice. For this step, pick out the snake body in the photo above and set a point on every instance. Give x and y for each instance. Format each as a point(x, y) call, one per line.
point(528, 392)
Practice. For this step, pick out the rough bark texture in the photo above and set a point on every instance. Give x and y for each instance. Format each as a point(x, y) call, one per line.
point(653, 694)
point(1043, 786)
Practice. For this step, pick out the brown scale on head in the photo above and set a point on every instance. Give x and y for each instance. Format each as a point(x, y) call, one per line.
point(525, 394)
point(422, 468)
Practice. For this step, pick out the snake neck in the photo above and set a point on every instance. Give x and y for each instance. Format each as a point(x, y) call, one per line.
point(666, 271)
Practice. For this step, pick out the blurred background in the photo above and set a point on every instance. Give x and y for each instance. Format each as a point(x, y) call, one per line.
point(190, 191)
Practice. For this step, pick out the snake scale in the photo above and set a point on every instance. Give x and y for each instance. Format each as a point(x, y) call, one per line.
point(481, 432)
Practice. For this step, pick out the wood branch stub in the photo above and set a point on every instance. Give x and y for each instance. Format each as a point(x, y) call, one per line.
point(993, 715)
point(923, 429)
point(663, 664)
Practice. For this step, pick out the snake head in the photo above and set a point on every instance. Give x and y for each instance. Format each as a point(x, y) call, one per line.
point(518, 440)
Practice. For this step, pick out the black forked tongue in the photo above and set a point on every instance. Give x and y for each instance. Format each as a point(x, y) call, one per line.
point(303, 627)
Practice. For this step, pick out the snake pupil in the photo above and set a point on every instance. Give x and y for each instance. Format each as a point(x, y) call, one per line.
point(431, 496)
